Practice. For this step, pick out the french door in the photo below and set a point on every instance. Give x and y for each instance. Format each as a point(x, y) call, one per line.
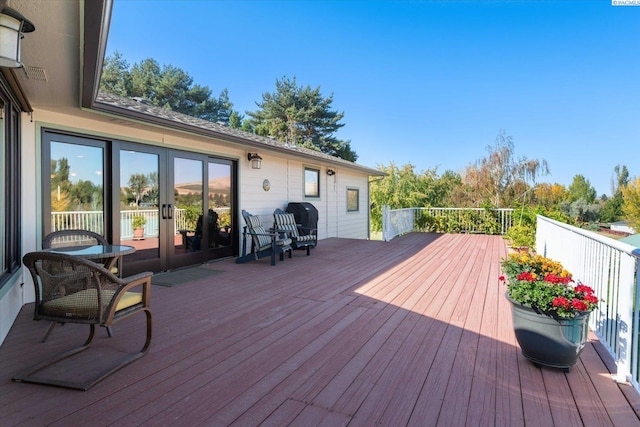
point(184, 201)
point(176, 208)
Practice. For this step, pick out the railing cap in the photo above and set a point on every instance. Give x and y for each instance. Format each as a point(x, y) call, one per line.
point(615, 244)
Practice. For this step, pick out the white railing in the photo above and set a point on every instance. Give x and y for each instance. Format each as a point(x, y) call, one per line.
point(453, 220)
point(151, 226)
point(94, 221)
point(78, 220)
point(611, 269)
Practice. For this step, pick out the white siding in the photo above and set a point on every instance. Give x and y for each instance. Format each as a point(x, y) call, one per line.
point(285, 172)
point(353, 224)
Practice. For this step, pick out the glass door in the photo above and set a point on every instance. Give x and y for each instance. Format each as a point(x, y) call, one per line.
point(176, 208)
point(138, 216)
point(187, 224)
point(221, 198)
point(162, 198)
point(204, 198)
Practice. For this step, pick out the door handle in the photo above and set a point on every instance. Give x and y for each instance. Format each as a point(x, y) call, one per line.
point(164, 211)
point(170, 211)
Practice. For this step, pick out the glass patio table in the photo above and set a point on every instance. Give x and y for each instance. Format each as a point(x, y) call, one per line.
point(109, 255)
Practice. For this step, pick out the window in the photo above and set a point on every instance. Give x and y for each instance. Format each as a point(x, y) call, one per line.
point(73, 185)
point(10, 187)
point(311, 182)
point(353, 199)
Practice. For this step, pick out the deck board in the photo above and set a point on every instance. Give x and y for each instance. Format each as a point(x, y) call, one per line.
point(410, 332)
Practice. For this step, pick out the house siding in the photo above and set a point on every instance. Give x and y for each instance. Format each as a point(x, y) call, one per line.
point(285, 173)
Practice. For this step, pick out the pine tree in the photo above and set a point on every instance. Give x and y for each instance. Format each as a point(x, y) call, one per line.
point(302, 116)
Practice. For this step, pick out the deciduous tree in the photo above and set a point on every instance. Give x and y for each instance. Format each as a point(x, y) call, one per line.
point(581, 188)
point(550, 195)
point(612, 207)
point(631, 205)
point(500, 178)
point(404, 188)
point(138, 184)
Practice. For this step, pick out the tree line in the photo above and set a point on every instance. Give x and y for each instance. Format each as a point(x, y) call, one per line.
point(502, 180)
point(293, 113)
point(301, 115)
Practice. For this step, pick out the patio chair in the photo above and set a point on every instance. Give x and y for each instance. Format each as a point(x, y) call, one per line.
point(193, 242)
point(301, 237)
point(70, 289)
point(75, 237)
point(263, 243)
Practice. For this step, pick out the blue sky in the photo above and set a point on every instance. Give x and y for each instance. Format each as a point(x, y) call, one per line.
point(429, 83)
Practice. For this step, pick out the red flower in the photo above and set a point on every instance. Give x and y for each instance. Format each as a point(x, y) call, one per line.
point(579, 304)
point(561, 302)
point(583, 289)
point(526, 276)
point(501, 278)
point(551, 278)
point(590, 298)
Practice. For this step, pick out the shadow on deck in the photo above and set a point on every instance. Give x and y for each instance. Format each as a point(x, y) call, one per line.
point(410, 332)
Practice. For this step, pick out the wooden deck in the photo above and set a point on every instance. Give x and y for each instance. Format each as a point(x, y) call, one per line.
point(410, 332)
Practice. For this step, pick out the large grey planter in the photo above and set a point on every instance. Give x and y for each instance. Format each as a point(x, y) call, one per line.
point(547, 341)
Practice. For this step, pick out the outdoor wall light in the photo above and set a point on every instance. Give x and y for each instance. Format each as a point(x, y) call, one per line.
point(255, 159)
point(331, 172)
point(12, 28)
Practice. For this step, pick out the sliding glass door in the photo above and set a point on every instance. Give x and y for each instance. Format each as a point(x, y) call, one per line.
point(176, 208)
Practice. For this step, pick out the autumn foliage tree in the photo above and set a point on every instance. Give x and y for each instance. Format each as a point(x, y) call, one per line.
point(631, 204)
point(549, 196)
point(499, 179)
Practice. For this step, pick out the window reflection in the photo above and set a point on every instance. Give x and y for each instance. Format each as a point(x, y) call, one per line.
point(139, 197)
point(188, 189)
point(219, 204)
point(77, 184)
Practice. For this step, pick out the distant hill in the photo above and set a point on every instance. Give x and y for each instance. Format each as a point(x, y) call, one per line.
point(216, 185)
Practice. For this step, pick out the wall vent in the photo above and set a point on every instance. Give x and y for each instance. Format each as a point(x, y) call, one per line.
point(36, 73)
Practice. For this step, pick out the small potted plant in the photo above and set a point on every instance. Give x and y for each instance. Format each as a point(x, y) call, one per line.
point(138, 222)
point(550, 310)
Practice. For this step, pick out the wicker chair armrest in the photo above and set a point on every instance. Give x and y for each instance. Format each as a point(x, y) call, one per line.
point(137, 277)
point(128, 284)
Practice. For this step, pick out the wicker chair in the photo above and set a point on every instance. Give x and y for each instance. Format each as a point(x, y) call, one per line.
point(75, 237)
point(74, 290)
point(63, 238)
point(263, 243)
point(302, 238)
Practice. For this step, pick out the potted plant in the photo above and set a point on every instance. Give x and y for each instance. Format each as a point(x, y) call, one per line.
point(550, 310)
point(138, 222)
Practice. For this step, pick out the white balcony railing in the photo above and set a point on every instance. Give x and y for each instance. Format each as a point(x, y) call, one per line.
point(459, 220)
point(94, 221)
point(611, 269)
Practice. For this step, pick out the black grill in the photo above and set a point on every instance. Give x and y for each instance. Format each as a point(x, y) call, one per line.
point(306, 214)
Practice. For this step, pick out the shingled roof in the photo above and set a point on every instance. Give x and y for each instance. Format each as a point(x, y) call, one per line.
point(142, 111)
